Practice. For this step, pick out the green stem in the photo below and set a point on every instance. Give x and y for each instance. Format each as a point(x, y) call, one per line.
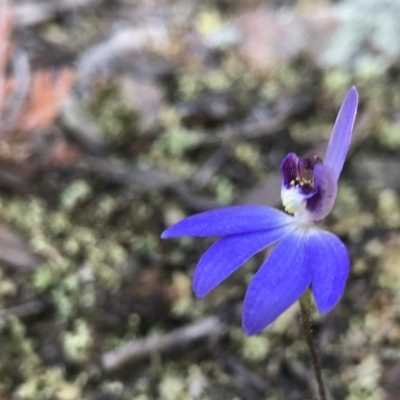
point(305, 306)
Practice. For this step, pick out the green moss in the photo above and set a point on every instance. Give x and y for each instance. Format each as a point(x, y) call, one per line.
point(269, 91)
point(289, 77)
point(77, 343)
point(47, 384)
point(255, 348)
point(248, 155)
point(389, 208)
point(7, 287)
point(347, 202)
point(389, 136)
point(114, 388)
point(191, 86)
point(173, 143)
point(336, 82)
point(116, 119)
point(168, 151)
point(225, 191)
point(65, 241)
point(172, 388)
point(76, 192)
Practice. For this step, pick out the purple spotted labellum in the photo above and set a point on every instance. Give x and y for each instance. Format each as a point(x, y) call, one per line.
point(304, 256)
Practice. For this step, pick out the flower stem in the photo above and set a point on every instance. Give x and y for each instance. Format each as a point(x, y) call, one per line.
point(305, 306)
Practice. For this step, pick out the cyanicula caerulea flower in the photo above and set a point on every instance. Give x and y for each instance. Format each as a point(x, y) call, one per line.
point(305, 256)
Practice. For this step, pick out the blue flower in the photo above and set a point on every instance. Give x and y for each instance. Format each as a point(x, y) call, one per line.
point(305, 255)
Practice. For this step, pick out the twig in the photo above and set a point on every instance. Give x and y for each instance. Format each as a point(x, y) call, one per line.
point(81, 126)
point(5, 31)
point(305, 376)
point(23, 310)
point(194, 201)
point(178, 338)
point(143, 181)
point(244, 131)
point(28, 14)
point(209, 168)
point(15, 252)
point(287, 107)
point(248, 385)
point(139, 179)
point(16, 99)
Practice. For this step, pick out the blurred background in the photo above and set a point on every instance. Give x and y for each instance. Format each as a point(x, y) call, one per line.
point(118, 119)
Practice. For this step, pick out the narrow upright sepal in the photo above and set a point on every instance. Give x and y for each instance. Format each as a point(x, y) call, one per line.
point(339, 142)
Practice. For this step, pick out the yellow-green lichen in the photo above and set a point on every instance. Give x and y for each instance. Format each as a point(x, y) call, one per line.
point(77, 342)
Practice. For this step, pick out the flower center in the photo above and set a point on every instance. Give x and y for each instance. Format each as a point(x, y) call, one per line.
point(298, 183)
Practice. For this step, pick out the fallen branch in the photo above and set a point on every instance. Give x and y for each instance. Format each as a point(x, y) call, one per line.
point(176, 339)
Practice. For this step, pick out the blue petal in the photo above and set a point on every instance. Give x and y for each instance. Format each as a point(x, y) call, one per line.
point(329, 267)
point(229, 221)
point(341, 133)
point(280, 281)
point(227, 254)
